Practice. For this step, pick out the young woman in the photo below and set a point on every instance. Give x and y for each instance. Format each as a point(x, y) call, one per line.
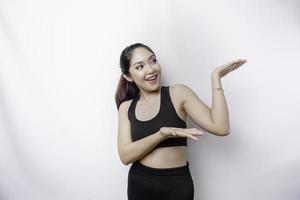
point(152, 132)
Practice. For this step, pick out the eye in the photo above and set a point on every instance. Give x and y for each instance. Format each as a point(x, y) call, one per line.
point(154, 60)
point(139, 66)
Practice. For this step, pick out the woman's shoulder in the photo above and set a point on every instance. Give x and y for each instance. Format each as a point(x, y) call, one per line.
point(177, 92)
point(125, 105)
point(181, 91)
point(179, 88)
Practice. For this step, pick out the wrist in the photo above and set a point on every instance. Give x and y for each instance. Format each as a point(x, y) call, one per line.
point(215, 76)
point(217, 89)
point(162, 134)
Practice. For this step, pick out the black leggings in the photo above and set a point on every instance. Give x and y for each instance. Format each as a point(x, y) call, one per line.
point(147, 183)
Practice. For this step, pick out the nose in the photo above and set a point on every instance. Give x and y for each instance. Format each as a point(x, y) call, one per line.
point(150, 68)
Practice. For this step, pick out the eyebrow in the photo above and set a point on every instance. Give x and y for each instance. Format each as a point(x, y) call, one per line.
point(142, 61)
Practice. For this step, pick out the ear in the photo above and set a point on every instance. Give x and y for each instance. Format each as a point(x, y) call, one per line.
point(127, 78)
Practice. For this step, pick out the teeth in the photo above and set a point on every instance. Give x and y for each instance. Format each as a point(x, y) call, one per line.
point(152, 78)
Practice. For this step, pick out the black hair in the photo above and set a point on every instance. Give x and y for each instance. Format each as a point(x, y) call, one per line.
point(127, 90)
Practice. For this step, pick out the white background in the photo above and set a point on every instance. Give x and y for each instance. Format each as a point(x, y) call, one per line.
point(59, 69)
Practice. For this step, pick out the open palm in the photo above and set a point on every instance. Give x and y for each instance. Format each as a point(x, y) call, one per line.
point(228, 67)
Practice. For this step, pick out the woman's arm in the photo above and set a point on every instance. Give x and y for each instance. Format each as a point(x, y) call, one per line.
point(130, 151)
point(216, 119)
point(198, 111)
point(219, 109)
point(138, 149)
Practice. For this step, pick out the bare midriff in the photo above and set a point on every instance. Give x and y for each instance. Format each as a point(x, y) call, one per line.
point(166, 157)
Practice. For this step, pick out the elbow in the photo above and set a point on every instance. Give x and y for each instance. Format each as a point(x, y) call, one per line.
point(221, 130)
point(224, 132)
point(125, 159)
point(126, 156)
point(125, 162)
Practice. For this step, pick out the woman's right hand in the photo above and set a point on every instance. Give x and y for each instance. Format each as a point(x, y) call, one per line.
point(170, 132)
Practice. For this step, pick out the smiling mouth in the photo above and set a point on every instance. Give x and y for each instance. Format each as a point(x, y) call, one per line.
point(152, 79)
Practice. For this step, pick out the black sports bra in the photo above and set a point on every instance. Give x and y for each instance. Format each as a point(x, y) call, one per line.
point(166, 117)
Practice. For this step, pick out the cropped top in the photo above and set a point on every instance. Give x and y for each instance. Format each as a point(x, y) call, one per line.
point(166, 117)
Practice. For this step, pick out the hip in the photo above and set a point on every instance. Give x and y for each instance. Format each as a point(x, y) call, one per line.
point(154, 183)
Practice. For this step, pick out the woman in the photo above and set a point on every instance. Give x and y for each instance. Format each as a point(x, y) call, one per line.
point(152, 133)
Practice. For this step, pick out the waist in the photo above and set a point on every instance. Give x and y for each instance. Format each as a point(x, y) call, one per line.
point(166, 157)
point(171, 171)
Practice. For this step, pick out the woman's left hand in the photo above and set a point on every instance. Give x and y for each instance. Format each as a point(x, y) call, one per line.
point(228, 67)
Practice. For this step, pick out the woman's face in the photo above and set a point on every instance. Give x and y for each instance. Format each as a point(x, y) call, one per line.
point(143, 65)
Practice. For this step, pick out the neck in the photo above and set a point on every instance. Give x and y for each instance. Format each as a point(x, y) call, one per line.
point(147, 96)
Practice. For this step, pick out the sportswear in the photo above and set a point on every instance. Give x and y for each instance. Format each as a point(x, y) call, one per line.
point(166, 117)
point(148, 183)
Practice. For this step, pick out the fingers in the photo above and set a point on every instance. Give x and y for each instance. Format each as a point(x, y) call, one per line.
point(236, 63)
point(195, 132)
point(192, 137)
point(235, 66)
point(190, 132)
point(239, 61)
point(173, 133)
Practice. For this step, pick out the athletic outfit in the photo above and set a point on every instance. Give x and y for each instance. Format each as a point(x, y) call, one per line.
point(148, 183)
